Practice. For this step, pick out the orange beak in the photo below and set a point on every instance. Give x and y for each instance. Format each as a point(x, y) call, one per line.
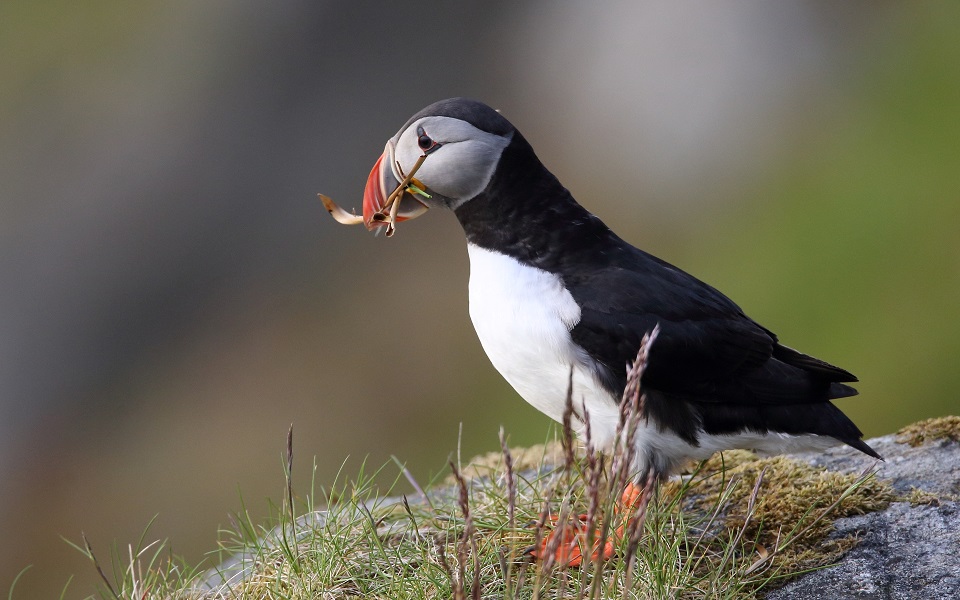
point(381, 183)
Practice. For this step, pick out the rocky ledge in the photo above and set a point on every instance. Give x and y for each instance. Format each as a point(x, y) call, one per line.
point(908, 549)
point(912, 548)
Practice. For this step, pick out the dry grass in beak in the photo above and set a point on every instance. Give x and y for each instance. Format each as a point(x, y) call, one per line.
point(391, 207)
point(338, 213)
point(388, 213)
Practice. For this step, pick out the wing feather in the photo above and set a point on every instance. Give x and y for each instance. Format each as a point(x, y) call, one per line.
point(708, 350)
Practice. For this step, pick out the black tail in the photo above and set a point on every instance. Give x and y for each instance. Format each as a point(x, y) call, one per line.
point(813, 365)
point(838, 390)
point(862, 447)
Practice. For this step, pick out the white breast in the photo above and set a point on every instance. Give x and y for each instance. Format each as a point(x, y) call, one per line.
point(523, 317)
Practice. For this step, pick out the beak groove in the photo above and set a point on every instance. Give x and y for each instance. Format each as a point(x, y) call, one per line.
point(374, 196)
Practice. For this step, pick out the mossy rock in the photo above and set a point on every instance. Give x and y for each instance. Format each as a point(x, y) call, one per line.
point(894, 533)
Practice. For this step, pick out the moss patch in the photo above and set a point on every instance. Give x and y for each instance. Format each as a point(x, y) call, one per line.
point(791, 495)
point(917, 496)
point(930, 430)
point(533, 458)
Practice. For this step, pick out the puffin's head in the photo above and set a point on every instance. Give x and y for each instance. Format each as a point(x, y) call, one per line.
point(443, 156)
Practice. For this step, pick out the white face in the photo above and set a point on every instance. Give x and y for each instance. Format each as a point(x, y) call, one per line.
point(463, 164)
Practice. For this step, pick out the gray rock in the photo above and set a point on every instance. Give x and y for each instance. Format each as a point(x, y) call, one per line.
point(906, 551)
point(933, 467)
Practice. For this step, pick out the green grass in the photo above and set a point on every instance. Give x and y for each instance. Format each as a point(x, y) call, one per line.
point(729, 528)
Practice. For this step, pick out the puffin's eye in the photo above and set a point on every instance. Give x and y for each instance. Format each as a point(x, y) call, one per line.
point(426, 143)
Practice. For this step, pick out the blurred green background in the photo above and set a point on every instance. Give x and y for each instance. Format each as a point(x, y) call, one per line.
point(174, 296)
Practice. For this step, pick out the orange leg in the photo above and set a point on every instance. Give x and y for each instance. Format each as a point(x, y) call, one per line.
point(567, 542)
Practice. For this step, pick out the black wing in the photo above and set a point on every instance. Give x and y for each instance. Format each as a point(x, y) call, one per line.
point(712, 367)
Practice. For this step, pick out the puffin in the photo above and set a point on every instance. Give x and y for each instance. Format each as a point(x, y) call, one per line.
point(561, 305)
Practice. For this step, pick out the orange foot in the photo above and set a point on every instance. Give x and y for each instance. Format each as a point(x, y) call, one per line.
point(567, 543)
